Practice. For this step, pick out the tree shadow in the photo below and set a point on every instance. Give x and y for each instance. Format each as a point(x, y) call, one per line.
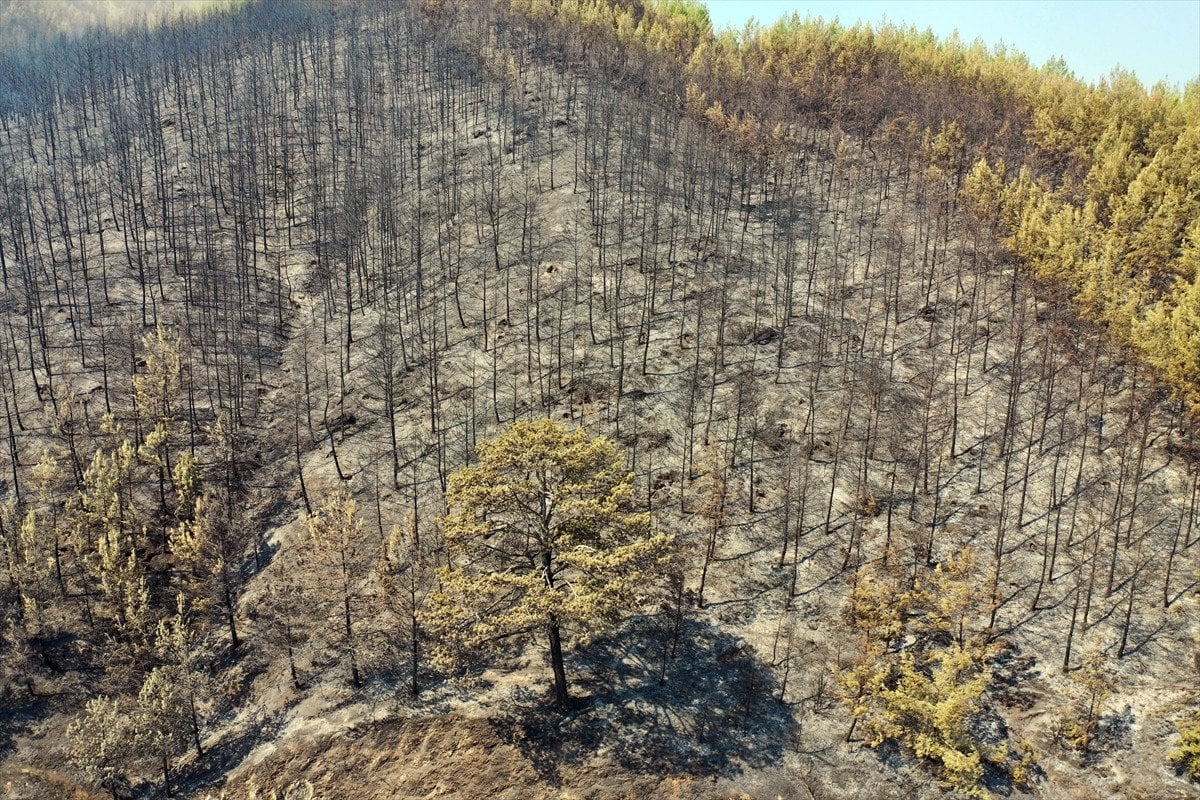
point(713, 713)
point(1013, 677)
point(210, 772)
point(1146, 633)
point(18, 716)
point(54, 686)
point(1115, 731)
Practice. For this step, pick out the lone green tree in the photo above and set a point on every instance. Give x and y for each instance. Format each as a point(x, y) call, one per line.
point(543, 542)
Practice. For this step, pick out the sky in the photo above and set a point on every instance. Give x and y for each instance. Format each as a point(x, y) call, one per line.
point(1154, 39)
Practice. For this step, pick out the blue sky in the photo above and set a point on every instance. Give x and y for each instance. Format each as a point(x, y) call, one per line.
point(1155, 39)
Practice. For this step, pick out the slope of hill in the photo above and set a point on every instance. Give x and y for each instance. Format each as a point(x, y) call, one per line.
point(297, 249)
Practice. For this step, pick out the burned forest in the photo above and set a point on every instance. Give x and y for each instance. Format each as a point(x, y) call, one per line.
point(560, 399)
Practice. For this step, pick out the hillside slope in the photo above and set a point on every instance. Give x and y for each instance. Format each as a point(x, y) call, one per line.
point(292, 250)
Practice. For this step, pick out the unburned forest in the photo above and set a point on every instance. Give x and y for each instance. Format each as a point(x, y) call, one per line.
point(562, 399)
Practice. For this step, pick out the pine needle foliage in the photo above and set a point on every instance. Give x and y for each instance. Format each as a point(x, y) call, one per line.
point(921, 671)
point(543, 541)
point(1186, 752)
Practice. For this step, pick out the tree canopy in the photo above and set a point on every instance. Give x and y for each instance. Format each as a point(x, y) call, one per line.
point(543, 541)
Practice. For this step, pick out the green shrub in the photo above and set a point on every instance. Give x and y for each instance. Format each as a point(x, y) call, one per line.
point(1186, 753)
